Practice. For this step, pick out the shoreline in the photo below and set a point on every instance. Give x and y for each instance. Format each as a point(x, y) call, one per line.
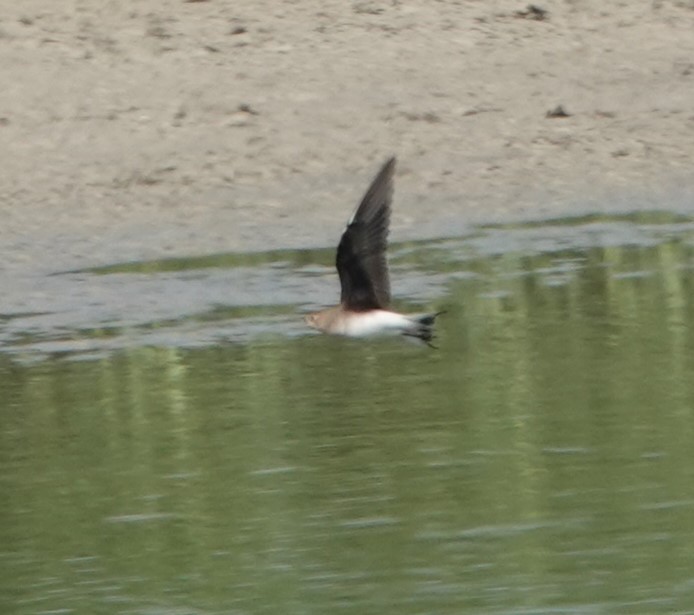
point(146, 238)
point(133, 133)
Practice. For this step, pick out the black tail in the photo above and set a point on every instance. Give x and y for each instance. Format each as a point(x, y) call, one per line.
point(423, 327)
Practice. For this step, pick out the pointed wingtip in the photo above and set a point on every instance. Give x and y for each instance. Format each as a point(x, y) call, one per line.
point(387, 167)
point(381, 186)
point(390, 163)
point(384, 175)
point(387, 170)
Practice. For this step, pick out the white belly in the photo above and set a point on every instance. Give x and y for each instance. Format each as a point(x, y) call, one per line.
point(376, 322)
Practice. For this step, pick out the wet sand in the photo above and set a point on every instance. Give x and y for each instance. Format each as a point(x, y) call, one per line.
point(145, 129)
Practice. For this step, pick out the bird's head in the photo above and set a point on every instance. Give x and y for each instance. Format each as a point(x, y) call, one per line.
point(312, 320)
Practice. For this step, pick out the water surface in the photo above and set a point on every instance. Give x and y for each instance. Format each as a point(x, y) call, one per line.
point(172, 439)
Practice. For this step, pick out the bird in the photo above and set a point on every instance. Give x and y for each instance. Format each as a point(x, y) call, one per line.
point(362, 266)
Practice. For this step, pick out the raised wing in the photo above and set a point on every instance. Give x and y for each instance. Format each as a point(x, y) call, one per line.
point(361, 255)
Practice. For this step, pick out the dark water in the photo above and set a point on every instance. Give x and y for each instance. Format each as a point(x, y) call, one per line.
point(173, 441)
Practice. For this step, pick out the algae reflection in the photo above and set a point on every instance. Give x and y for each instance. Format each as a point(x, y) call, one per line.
point(541, 459)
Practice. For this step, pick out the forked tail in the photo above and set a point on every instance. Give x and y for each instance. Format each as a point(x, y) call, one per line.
point(423, 327)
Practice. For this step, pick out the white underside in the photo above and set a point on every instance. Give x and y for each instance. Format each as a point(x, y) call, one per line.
point(376, 322)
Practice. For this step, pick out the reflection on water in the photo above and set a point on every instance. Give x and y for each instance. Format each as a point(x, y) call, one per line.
point(542, 461)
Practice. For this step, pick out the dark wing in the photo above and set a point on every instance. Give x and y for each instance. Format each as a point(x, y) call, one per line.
point(361, 255)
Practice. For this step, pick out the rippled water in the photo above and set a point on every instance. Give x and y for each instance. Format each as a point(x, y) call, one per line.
point(172, 439)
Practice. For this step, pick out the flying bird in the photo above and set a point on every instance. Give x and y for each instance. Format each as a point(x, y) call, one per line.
point(363, 269)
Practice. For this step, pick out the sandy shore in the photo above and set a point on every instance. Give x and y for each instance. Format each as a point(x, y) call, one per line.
point(148, 128)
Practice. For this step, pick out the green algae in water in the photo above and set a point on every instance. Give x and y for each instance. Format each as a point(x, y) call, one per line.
point(540, 461)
